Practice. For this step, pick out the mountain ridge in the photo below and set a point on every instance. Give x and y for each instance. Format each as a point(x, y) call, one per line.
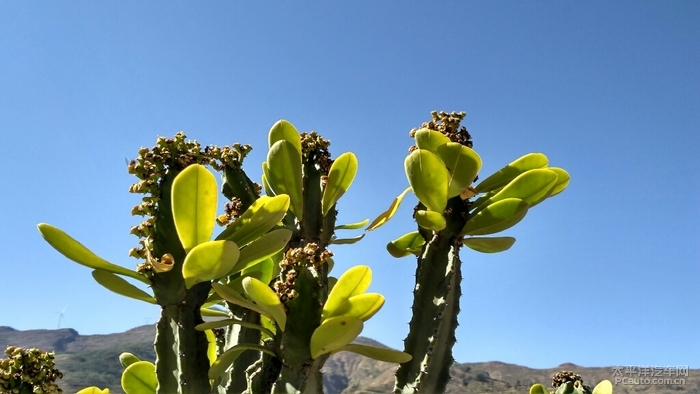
point(88, 360)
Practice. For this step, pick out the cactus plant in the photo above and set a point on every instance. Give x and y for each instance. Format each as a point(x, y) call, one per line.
point(440, 169)
point(567, 382)
point(268, 267)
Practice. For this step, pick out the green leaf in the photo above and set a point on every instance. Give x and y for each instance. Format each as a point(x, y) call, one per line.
point(405, 245)
point(283, 130)
point(377, 353)
point(231, 296)
point(538, 389)
point(428, 177)
point(228, 357)
point(430, 140)
point(604, 387)
point(532, 186)
point(332, 282)
point(120, 286)
point(210, 260)
point(340, 177)
point(352, 226)
point(361, 306)
point(261, 249)
point(266, 299)
point(506, 174)
point(353, 282)
point(385, 216)
point(258, 219)
point(194, 199)
point(93, 390)
point(75, 251)
point(563, 179)
point(462, 163)
point(126, 359)
point(489, 245)
point(284, 162)
point(265, 180)
point(213, 312)
point(431, 220)
point(347, 241)
point(331, 264)
point(483, 199)
point(140, 378)
point(211, 347)
point(496, 217)
point(334, 334)
point(263, 271)
point(229, 322)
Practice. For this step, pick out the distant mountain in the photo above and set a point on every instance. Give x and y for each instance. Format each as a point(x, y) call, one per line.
point(92, 360)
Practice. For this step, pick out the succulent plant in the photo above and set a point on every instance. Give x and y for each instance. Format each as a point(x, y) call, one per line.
point(27, 371)
point(440, 169)
point(567, 382)
point(265, 275)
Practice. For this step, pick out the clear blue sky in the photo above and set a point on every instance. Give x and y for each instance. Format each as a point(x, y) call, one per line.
point(604, 274)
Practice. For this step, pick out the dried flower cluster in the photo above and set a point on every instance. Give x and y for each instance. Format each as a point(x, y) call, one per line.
point(310, 255)
point(152, 165)
point(28, 371)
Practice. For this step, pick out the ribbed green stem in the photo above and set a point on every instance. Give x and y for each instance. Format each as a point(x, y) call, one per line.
point(238, 379)
point(181, 351)
point(435, 308)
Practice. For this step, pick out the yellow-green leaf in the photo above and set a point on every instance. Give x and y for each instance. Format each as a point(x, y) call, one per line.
point(283, 130)
point(385, 216)
point(353, 282)
point(604, 387)
point(428, 177)
point(213, 312)
point(347, 241)
point(462, 163)
point(532, 186)
point(261, 249)
point(229, 322)
point(361, 306)
point(194, 199)
point(210, 260)
point(431, 220)
point(265, 182)
point(211, 346)
point(93, 390)
point(75, 251)
point(140, 378)
point(352, 226)
point(284, 163)
point(266, 299)
point(496, 217)
point(340, 177)
point(258, 219)
point(377, 353)
point(405, 245)
point(229, 356)
point(538, 389)
point(489, 245)
point(126, 359)
point(430, 140)
point(506, 174)
point(233, 297)
point(334, 334)
point(563, 179)
point(120, 286)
